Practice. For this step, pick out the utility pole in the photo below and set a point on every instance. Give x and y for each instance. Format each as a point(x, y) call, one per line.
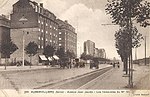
point(145, 50)
point(23, 20)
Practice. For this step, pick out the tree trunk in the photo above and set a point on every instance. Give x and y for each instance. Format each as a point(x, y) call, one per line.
point(30, 61)
point(126, 65)
point(6, 62)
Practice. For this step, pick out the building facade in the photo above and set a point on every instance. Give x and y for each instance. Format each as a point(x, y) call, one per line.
point(96, 52)
point(34, 23)
point(67, 36)
point(102, 53)
point(4, 32)
point(89, 47)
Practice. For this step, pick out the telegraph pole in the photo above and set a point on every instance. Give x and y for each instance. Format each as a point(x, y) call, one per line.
point(145, 50)
point(23, 20)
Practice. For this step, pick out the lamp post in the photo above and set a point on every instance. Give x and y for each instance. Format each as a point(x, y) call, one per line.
point(23, 20)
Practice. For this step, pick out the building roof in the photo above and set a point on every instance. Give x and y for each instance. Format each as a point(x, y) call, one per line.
point(65, 24)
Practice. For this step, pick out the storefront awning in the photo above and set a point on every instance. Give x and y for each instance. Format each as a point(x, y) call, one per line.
point(43, 57)
point(50, 59)
point(55, 57)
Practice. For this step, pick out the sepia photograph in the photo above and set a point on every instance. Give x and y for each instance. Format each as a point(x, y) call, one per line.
point(58, 48)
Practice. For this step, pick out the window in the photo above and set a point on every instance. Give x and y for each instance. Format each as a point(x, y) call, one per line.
point(56, 35)
point(36, 9)
point(50, 26)
point(46, 24)
point(39, 46)
point(59, 38)
point(54, 27)
point(59, 32)
point(50, 40)
point(59, 44)
point(46, 32)
point(39, 29)
point(42, 23)
point(39, 38)
point(42, 38)
point(50, 33)
point(42, 47)
point(46, 40)
point(39, 21)
point(42, 30)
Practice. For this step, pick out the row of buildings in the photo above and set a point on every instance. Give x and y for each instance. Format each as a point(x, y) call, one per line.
point(31, 22)
point(90, 49)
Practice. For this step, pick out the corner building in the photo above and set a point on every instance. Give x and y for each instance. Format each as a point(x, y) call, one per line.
point(67, 36)
point(40, 26)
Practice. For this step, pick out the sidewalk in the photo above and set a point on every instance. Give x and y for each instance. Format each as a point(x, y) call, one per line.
point(36, 78)
point(114, 79)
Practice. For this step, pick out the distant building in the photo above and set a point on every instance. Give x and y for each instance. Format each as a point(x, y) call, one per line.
point(102, 53)
point(96, 53)
point(89, 47)
point(36, 24)
point(4, 32)
point(67, 36)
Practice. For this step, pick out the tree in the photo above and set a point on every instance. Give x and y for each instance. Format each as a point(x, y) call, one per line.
point(70, 54)
point(144, 14)
point(86, 57)
point(62, 55)
point(123, 13)
point(122, 43)
point(49, 51)
point(8, 48)
point(60, 52)
point(31, 49)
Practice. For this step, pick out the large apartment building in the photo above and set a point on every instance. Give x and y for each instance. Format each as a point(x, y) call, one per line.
point(89, 47)
point(36, 24)
point(4, 33)
point(67, 36)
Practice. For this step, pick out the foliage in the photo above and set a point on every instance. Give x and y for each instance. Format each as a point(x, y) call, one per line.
point(123, 42)
point(31, 49)
point(8, 48)
point(122, 11)
point(70, 54)
point(60, 52)
point(144, 14)
point(49, 51)
point(86, 57)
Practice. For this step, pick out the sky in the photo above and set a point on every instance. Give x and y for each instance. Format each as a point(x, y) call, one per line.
point(88, 17)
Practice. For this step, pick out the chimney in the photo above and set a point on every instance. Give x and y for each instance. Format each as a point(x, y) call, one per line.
point(41, 4)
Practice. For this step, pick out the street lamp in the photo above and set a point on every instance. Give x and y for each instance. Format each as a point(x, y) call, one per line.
point(23, 20)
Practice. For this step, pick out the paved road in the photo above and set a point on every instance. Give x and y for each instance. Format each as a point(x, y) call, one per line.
point(77, 82)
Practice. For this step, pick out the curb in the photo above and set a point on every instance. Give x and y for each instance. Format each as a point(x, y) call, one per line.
point(27, 70)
